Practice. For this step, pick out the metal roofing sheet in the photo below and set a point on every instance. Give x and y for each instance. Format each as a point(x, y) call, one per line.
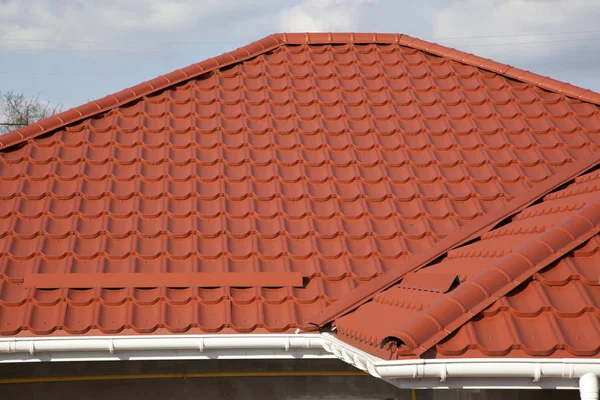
point(332, 157)
point(529, 288)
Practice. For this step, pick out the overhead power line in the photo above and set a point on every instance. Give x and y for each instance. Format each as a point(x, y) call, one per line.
point(159, 53)
point(115, 41)
point(517, 35)
point(458, 45)
point(196, 42)
point(72, 73)
point(526, 43)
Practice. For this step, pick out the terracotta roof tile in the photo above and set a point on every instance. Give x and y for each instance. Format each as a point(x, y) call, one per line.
point(331, 156)
point(530, 289)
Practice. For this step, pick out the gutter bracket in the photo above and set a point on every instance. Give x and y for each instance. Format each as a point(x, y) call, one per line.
point(537, 372)
point(443, 373)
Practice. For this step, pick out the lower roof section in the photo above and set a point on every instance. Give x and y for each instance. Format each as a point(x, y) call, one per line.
point(529, 288)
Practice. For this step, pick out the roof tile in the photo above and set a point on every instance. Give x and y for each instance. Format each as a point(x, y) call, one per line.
point(534, 284)
point(429, 282)
point(334, 156)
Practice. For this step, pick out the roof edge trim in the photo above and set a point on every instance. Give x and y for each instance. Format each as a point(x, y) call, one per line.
point(468, 232)
point(509, 71)
point(133, 93)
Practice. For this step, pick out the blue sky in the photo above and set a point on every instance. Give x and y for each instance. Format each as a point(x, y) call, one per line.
point(72, 51)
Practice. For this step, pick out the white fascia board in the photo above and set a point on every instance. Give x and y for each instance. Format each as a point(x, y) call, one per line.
point(164, 347)
point(473, 373)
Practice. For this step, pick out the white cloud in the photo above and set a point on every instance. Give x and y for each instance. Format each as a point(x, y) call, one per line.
point(114, 24)
point(539, 24)
point(191, 30)
point(322, 15)
point(110, 24)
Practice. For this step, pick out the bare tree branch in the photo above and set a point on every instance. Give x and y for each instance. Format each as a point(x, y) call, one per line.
point(20, 111)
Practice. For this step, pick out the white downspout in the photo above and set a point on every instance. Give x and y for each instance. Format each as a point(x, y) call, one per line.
point(588, 386)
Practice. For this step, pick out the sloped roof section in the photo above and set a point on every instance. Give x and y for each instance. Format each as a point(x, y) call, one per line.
point(463, 235)
point(529, 288)
point(270, 43)
point(333, 157)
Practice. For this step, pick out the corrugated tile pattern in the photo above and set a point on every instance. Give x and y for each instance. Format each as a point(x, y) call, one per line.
point(334, 161)
point(555, 313)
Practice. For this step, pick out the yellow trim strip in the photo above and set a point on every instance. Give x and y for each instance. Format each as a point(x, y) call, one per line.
point(178, 376)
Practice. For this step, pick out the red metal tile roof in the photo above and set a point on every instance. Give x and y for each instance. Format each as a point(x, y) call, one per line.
point(332, 156)
point(528, 288)
point(468, 232)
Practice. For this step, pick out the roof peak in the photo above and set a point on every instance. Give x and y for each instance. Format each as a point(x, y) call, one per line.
point(269, 43)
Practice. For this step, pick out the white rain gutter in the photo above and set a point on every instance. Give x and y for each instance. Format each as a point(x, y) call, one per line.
point(418, 373)
point(521, 373)
point(168, 347)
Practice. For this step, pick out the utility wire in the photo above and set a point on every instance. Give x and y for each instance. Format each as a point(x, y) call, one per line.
point(151, 53)
point(115, 41)
point(9, 39)
point(71, 73)
point(162, 54)
point(526, 43)
point(516, 35)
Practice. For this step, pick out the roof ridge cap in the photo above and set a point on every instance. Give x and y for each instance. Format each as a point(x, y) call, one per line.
point(145, 88)
point(273, 41)
point(470, 231)
point(470, 298)
point(507, 70)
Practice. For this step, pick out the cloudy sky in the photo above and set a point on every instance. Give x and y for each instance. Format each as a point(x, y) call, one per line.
point(71, 51)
